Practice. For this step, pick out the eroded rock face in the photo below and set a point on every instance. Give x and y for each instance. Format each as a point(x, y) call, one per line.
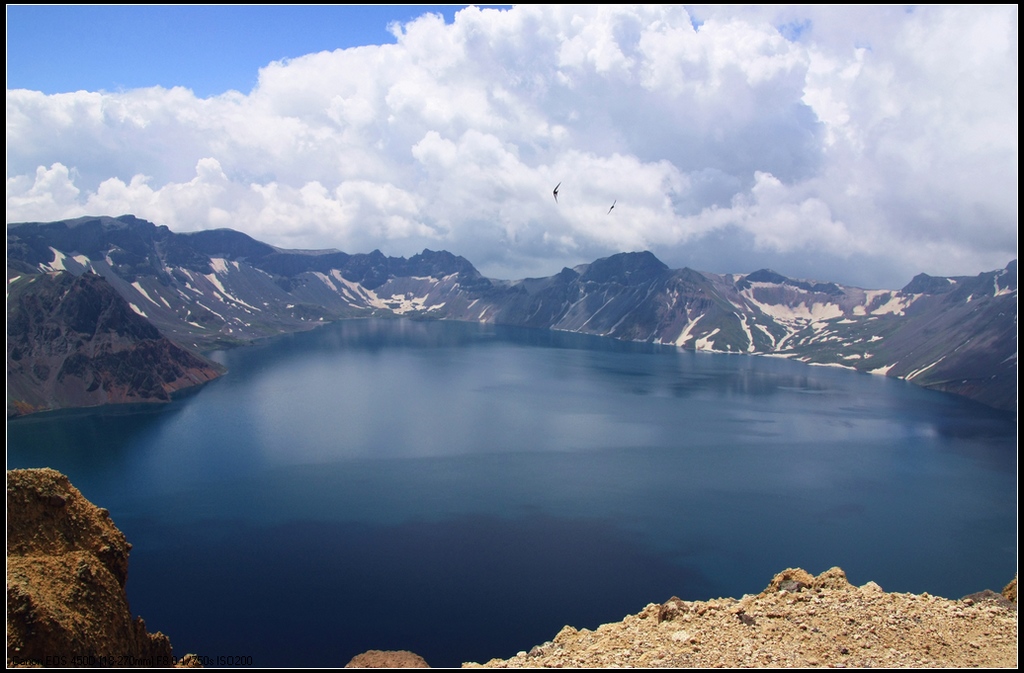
point(66, 570)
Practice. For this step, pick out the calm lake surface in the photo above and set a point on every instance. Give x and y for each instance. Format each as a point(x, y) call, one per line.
point(463, 491)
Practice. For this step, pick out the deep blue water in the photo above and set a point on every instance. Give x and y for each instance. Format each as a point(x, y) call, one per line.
point(463, 491)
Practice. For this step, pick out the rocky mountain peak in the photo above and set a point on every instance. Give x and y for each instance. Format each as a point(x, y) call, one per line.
point(625, 268)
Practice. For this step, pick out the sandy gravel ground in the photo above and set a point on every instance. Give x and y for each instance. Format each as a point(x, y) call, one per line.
point(798, 621)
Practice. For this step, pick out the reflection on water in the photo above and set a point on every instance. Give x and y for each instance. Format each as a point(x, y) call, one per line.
point(465, 490)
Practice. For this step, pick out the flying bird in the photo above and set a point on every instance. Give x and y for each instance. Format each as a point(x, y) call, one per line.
point(555, 192)
point(613, 205)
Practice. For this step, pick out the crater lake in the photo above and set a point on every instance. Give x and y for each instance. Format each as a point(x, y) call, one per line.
point(463, 491)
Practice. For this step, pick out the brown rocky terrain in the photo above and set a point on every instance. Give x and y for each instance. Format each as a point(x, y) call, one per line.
point(798, 621)
point(66, 570)
point(387, 659)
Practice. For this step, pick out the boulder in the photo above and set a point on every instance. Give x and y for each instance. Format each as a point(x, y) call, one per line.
point(387, 659)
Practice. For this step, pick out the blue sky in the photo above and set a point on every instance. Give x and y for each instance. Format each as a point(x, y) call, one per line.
point(856, 144)
point(209, 49)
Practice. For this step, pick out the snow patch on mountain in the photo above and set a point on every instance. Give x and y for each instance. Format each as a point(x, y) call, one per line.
point(398, 302)
point(1000, 291)
point(202, 305)
point(326, 280)
point(142, 291)
point(796, 313)
point(830, 364)
point(223, 294)
point(402, 304)
point(704, 343)
point(58, 261)
point(768, 334)
point(917, 372)
point(746, 330)
point(685, 336)
point(882, 302)
point(354, 291)
point(896, 305)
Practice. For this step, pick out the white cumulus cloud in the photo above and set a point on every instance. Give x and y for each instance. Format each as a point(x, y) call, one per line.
point(867, 142)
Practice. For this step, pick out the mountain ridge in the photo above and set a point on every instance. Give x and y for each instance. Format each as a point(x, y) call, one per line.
point(221, 287)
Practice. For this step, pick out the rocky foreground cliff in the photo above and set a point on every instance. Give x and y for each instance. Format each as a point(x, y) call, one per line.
point(66, 570)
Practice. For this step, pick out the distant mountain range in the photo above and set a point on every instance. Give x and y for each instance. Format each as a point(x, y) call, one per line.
point(221, 287)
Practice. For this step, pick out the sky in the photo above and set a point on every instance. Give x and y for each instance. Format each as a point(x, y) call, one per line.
point(855, 144)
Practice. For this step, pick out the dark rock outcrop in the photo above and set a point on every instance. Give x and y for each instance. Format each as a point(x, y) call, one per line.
point(66, 570)
point(73, 341)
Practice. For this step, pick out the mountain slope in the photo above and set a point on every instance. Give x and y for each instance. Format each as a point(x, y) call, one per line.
point(73, 341)
point(214, 288)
